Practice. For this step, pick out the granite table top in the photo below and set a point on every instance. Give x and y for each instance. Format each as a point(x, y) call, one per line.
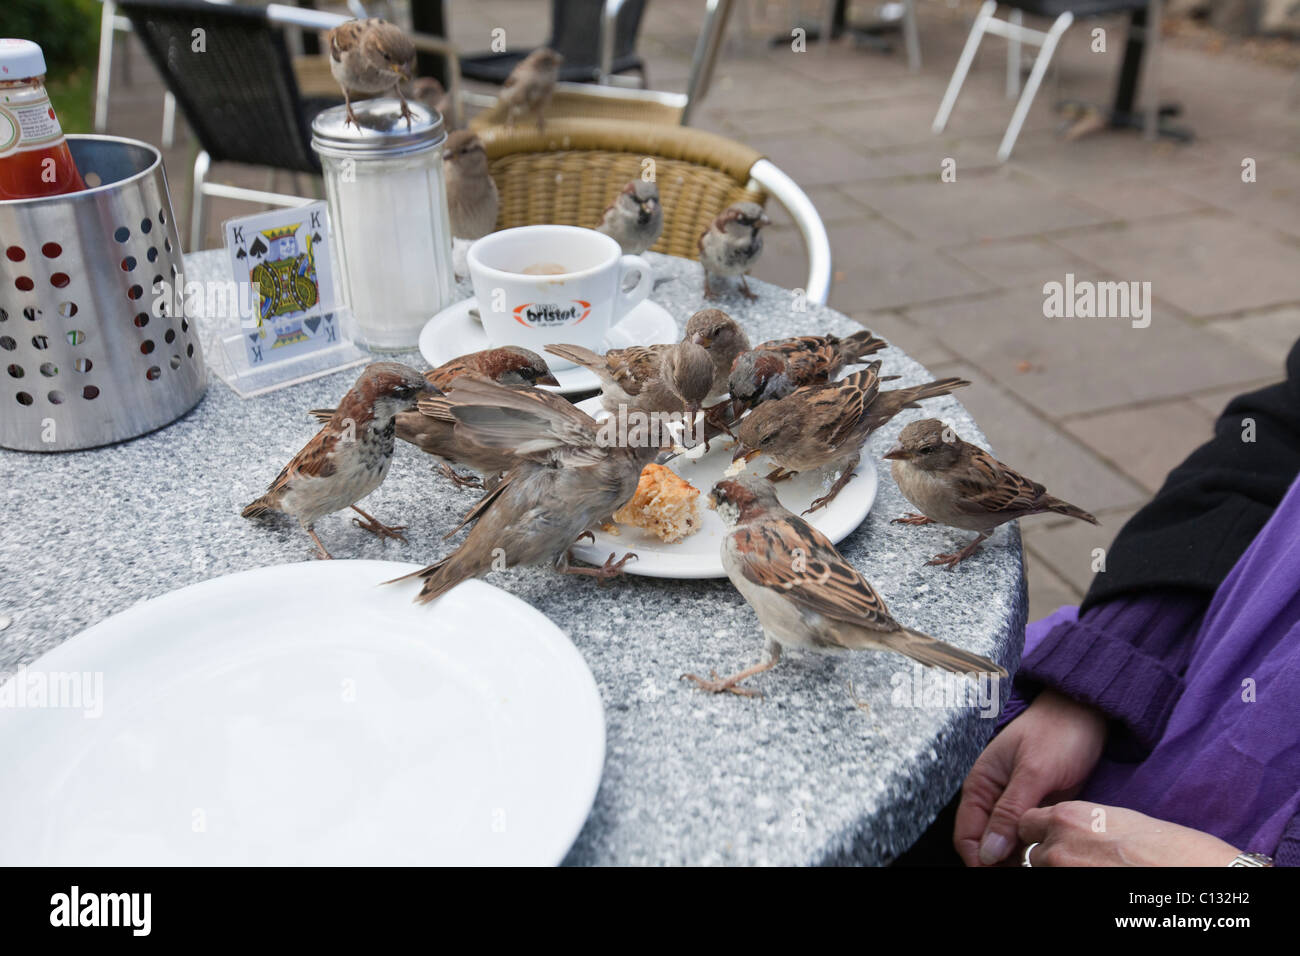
point(846, 759)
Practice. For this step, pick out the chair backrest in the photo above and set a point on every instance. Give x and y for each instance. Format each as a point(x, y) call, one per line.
point(572, 172)
point(233, 80)
point(589, 101)
point(575, 30)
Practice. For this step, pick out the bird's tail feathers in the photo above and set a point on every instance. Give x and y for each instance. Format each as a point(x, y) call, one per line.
point(322, 415)
point(1065, 508)
point(256, 509)
point(861, 343)
point(935, 653)
point(577, 354)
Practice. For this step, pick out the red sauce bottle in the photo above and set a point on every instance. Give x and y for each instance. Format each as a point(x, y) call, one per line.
point(34, 155)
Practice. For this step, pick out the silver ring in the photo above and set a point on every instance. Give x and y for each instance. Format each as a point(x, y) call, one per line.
point(1024, 857)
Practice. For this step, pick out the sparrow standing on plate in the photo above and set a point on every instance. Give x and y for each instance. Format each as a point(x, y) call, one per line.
point(806, 595)
point(635, 219)
point(529, 86)
point(774, 369)
point(826, 425)
point(647, 378)
point(565, 483)
point(431, 429)
point(722, 336)
point(471, 192)
point(372, 57)
point(732, 244)
point(349, 457)
point(956, 483)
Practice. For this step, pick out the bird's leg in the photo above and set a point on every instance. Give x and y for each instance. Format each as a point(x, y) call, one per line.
point(744, 289)
point(320, 548)
point(586, 534)
point(406, 109)
point(845, 477)
point(610, 569)
point(951, 561)
point(728, 684)
point(352, 117)
point(913, 518)
point(461, 481)
point(780, 474)
point(708, 290)
point(372, 525)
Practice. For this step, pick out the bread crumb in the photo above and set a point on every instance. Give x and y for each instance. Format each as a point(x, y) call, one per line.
point(665, 504)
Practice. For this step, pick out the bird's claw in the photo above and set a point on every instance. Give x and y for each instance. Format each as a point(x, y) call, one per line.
point(382, 530)
point(718, 686)
point(912, 518)
point(459, 480)
point(611, 568)
point(818, 503)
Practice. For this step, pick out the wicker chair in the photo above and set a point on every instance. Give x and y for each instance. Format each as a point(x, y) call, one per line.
point(569, 173)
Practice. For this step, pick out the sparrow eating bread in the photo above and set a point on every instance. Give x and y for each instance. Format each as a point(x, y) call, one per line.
point(774, 369)
point(529, 86)
point(806, 595)
point(723, 338)
point(372, 57)
point(956, 483)
point(826, 425)
point(472, 197)
point(732, 244)
point(349, 457)
point(647, 378)
point(635, 219)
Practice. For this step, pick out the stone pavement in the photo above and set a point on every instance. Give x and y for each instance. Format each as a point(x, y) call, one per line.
point(954, 271)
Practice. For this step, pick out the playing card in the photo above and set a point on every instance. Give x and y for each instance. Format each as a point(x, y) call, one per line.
point(282, 262)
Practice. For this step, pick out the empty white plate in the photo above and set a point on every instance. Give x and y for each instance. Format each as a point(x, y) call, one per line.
point(698, 556)
point(454, 332)
point(304, 714)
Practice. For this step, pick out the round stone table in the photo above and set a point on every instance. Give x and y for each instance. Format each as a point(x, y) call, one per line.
point(845, 759)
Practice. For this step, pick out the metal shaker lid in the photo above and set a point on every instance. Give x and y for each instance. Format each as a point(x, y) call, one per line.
point(382, 131)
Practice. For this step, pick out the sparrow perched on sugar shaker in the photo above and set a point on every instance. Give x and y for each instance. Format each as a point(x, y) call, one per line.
point(722, 336)
point(774, 369)
point(806, 595)
point(471, 191)
point(647, 378)
point(635, 218)
point(956, 483)
point(732, 244)
point(826, 425)
point(565, 483)
point(349, 457)
point(432, 431)
point(372, 57)
point(529, 86)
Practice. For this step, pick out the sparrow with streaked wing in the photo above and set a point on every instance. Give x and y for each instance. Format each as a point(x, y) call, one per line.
point(371, 57)
point(732, 244)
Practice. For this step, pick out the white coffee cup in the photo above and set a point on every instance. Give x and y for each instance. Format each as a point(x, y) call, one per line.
point(578, 302)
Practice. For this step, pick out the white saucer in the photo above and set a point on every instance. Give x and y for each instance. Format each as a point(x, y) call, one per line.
point(698, 556)
point(454, 332)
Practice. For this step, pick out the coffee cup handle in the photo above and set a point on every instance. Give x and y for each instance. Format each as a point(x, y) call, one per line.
point(629, 300)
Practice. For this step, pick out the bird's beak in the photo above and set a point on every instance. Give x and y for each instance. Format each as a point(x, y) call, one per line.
point(898, 454)
point(745, 454)
point(712, 502)
point(548, 379)
point(702, 340)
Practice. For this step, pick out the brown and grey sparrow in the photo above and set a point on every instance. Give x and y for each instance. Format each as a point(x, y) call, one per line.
point(529, 86)
point(820, 426)
point(565, 483)
point(806, 595)
point(953, 482)
point(349, 457)
point(429, 91)
point(722, 336)
point(371, 57)
point(774, 369)
point(431, 428)
point(732, 244)
point(471, 191)
point(635, 218)
point(647, 378)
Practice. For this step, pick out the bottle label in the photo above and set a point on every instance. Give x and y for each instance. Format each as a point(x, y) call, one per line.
point(27, 126)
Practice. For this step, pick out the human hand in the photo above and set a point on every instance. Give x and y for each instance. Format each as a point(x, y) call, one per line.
point(1078, 833)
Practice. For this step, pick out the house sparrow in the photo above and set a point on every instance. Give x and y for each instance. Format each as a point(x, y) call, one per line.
point(372, 57)
point(647, 378)
point(956, 483)
point(774, 369)
point(724, 339)
point(732, 243)
point(429, 91)
point(564, 483)
point(826, 425)
point(430, 427)
point(350, 456)
point(806, 595)
point(471, 191)
point(635, 218)
point(529, 86)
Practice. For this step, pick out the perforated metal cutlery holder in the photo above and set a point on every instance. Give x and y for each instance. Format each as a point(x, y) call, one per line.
point(93, 349)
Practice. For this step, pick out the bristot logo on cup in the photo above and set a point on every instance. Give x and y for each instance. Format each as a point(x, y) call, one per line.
point(544, 315)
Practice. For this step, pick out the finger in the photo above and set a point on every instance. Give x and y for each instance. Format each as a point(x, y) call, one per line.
point(1022, 793)
point(1035, 825)
point(979, 794)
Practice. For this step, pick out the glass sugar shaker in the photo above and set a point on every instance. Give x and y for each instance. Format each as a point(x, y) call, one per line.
point(388, 212)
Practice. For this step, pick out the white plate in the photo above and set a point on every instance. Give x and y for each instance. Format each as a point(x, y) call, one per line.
point(454, 332)
point(698, 556)
point(303, 715)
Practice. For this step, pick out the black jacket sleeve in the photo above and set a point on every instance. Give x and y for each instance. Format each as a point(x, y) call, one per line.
point(1212, 505)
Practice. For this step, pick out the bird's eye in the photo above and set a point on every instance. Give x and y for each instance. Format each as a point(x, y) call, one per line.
point(926, 449)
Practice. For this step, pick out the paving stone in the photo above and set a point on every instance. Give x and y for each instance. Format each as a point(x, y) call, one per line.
point(822, 157)
point(1146, 442)
point(1022, 262)
point(1272, 200)
point(1268, 334)
point(912, 339)
point(1047, 589)
point(1068, 547)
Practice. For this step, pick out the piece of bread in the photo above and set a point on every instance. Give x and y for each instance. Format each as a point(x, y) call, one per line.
point(665, 504)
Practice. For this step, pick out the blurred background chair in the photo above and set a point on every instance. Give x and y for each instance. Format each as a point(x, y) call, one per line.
point(573, 170)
